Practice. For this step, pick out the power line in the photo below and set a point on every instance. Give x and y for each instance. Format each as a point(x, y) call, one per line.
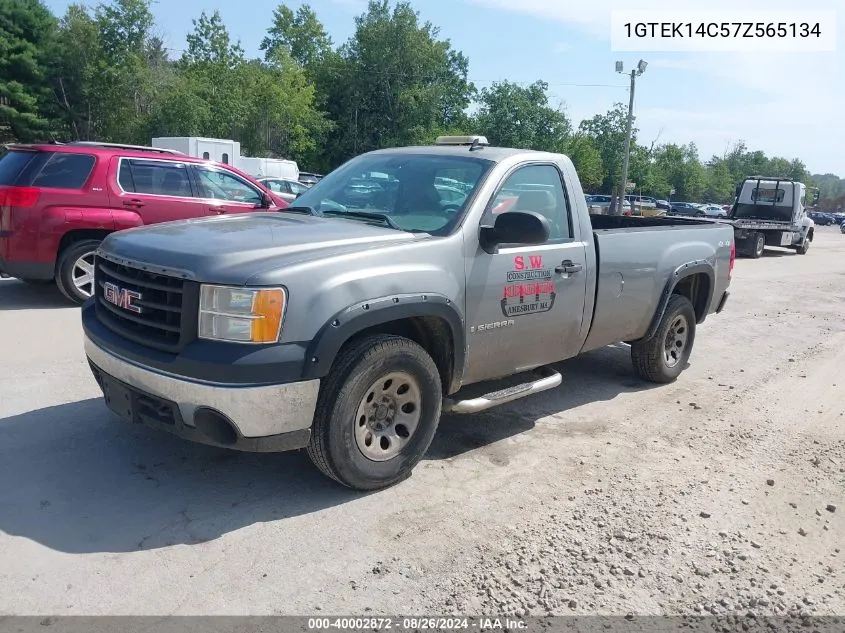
point(411, 75)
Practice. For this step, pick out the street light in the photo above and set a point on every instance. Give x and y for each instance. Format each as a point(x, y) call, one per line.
point(636, 72)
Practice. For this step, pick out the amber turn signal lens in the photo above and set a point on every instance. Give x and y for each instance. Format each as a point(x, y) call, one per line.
point(268, 307)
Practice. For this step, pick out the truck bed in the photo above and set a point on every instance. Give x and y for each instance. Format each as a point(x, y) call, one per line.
point(616, 222)
point(636, 256)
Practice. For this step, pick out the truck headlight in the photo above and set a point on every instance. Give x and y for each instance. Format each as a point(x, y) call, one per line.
point(241, 315)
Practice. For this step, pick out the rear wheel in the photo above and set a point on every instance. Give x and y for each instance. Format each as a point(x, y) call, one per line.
point(758, 245)
point(75, 270)
point(663, 357)
point(377, 413)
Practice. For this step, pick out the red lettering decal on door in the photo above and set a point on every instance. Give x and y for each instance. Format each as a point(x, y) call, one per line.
point(518, 263)
point(536, 261)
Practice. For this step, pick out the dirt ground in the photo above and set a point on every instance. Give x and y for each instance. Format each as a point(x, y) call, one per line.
point(721, 493)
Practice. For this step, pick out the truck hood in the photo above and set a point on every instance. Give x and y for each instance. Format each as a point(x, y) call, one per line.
point(231, 249)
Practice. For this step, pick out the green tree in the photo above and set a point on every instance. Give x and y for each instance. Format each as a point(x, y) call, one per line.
point(609, 131)
point(511, 115)
point(683, 170)
point(300, 34)
point(281, 117)
point(392, 83)
point(586, 157)
point(720, 185)
point(75, 73)
point(27, 42)
point(211, 67)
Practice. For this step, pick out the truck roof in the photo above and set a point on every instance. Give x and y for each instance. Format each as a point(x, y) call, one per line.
point(493, 154)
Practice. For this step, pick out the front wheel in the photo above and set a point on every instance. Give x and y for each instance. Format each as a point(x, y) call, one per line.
point(75, 270)
point(663, 357)
point(804, 247)
point(377, 413)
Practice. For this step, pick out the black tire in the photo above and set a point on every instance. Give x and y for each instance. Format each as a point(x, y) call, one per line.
point(65, 269)
point(758, 245)
point(334, 446)
point(804, 247)
point(649, 356)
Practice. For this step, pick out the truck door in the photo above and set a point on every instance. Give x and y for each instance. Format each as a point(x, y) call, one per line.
point(525, 304)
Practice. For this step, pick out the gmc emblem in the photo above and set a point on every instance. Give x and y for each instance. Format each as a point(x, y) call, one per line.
point(121, 297)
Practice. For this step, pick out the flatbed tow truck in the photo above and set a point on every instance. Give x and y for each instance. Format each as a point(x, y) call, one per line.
point(769, 211)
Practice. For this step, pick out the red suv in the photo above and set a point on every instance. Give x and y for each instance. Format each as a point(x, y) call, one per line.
point(58, 202)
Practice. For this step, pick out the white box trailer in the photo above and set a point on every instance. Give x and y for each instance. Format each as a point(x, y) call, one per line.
point(229, 152)
point(221, 150)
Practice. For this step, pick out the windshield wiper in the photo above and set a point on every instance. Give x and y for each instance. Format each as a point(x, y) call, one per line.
point(308, 210)
point(366, 215)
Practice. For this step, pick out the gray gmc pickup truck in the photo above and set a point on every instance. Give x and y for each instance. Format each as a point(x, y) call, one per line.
point(406, 283)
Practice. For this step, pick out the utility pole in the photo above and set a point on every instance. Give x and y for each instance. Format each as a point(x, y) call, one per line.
point(636, 72)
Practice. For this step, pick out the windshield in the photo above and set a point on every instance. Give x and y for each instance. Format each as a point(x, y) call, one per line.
point(417, 192)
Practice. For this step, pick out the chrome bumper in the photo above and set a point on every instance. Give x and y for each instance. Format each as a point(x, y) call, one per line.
point(254, 412)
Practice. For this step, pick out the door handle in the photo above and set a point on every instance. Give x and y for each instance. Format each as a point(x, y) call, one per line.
point(217, 210)
point(568, 266)
point(137, 204)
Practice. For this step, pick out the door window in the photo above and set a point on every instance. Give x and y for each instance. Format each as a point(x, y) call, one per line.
point(296, 188)
point(536, 188)
point(221, 185)
point(157, 178)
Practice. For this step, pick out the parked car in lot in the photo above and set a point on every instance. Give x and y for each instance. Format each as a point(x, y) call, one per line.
point(286, 189)
point(308, 178)
point(603, 202)
point(686, 208)
point(643, 202)
point(822, 219)
point(714, 211)
point(58, 202)
point(348, 329)
point(664, 204)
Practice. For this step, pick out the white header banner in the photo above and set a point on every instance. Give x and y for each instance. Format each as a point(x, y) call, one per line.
point(670, 30)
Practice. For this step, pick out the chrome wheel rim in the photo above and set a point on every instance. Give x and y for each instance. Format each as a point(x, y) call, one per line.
point(760, 245)
point(676, 341)
point(388, 416)
point(82, 274)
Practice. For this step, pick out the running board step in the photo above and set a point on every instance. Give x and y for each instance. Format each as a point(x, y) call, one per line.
point(547, 378)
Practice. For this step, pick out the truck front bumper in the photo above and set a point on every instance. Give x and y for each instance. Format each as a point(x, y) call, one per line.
point(265, 418)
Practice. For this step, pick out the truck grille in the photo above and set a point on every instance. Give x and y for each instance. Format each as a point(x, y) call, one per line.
point(160, 307)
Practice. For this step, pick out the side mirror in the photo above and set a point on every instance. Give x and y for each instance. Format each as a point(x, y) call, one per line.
point(524, 228)
point(816, 196)
point(266, 200)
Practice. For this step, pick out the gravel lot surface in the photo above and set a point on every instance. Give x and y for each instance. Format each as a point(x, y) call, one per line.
point(721, 493)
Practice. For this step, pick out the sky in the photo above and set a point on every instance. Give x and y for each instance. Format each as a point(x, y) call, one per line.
point(785, 104)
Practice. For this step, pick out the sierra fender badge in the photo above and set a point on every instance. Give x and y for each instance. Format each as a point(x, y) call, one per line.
point(486, 327)
point(122, 297)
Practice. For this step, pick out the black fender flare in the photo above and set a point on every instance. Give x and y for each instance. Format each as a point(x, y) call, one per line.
point(325, 345)
point(682, 272)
